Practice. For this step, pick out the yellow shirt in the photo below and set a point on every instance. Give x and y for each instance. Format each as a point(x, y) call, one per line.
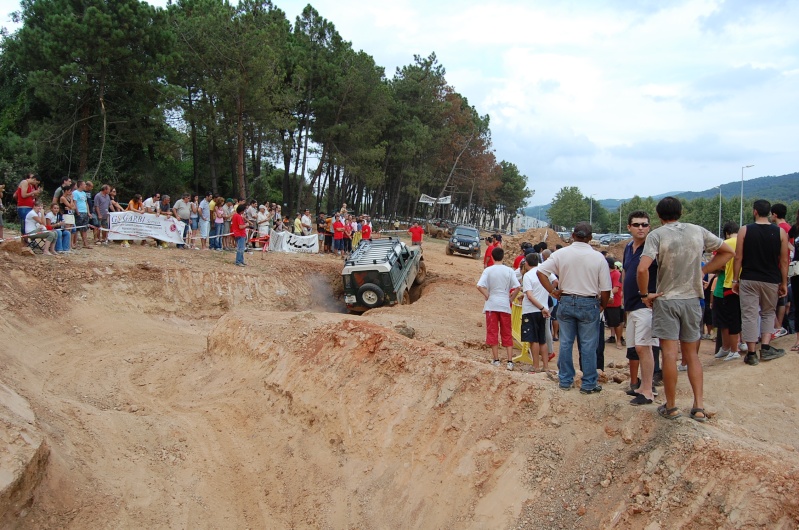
point(728, 268)
point(298, 226)
point(212, 209)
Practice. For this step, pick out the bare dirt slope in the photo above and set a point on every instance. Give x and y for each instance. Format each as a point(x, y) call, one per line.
point(177, 391)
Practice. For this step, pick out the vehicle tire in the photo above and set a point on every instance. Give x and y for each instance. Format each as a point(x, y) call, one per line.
point(421, 274)
point(405, 299)
point(370, 295)
point(477, 255)
point(448, 250)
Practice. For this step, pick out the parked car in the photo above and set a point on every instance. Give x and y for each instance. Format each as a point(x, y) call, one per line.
point(464, 240)
point(381, 272)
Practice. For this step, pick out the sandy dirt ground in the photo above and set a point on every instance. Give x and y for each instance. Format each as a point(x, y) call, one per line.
point(174, 390)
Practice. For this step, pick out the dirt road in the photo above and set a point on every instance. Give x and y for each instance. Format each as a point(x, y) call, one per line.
point(177, 391)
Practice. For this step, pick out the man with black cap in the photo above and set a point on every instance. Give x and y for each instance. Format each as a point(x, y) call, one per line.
point(583, 291)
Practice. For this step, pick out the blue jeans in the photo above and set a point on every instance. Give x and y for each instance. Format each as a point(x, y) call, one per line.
point(241, 241)
point(23, 212)
point(578, 317)
point(62, 240)
point(219, 229)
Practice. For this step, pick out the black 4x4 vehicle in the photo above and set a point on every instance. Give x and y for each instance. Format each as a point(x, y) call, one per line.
point(381, 272)
point(464, 240)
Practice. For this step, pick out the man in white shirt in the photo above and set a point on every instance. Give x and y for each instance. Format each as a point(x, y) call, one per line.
point(499, 286)
point(36, 228)
point(583, 291)
point(307, 224)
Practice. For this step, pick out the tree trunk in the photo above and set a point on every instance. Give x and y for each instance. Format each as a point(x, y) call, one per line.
point(83, 162)
point(240, 146)
point(194, 159)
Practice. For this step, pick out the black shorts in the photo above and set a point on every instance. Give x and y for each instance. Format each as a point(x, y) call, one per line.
point(781, 301)
point(534, 328)
point(632, 355)
point(727, 313)
point(613, 316)
point(82, 220)
point(553, 314)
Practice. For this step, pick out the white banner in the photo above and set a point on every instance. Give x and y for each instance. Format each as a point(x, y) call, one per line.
point(427, 199)
point(288, 242)
point(136, 226)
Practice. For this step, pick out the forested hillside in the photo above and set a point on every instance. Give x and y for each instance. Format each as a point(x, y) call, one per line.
point(241, 101)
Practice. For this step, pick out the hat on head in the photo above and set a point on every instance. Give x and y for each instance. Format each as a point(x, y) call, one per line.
point(529, 250)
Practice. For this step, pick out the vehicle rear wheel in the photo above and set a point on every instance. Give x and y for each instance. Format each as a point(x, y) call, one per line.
point(421, 275)
point(371, 295)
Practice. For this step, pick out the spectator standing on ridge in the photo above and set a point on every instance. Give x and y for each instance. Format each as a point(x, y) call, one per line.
point(488, 257)
point(82, 207)
point(182, 211)
point(639, 316)
point(205, 219)
point(778, 213)
point(760, 276)
point(499, 286)
point(66, 182)
point(102, 205)
point(26, 194)
point(677, 316)
point(239, 227)
point(613, 312)
point(583, 291)
point(307, 224)
point(726, 303)
point(535, 311)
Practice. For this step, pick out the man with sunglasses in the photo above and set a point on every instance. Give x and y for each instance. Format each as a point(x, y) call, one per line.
point(639, 316)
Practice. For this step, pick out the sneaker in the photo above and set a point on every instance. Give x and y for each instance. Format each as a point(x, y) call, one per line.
point(780, 333)
point(596, 390)
point(682, 368)
point(771, 354)
point(611, 340)
point(623, 343)
point(722, 353)
point(510, 366)
point(732, 356)
point(240, 265)
point(495, 362)
point(705, 336)
point(657, 379)
point(742, 347)
point(751, 359)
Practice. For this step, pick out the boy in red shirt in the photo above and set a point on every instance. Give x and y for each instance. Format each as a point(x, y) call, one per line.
point(417, 232)
point(366, 230)
point(239, 228)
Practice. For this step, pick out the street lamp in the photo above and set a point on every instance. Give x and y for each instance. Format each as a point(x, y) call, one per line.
point(620, 205)
point(719, 187)
point(591, 213)
point(741, 219)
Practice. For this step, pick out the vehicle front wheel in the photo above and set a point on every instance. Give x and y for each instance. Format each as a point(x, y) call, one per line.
point(421, 274)
point(449, 251)
point(371, 295)
point(477, 255)
point(405, 299)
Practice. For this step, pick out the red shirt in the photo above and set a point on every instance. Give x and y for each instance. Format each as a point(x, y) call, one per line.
point(518, 261)
point(338, 230)
point(236, 221)
point(366, 232)
point(30, 200)
point(615, 281)
point(416, 233)
point(488, 259)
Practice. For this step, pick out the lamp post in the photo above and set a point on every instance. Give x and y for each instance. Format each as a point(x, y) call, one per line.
point(719, 187)
point(591, 212)
point(741, 218)
point(620, 205)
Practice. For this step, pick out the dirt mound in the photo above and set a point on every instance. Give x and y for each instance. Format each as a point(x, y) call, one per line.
point(175, 389)
point(512, 244)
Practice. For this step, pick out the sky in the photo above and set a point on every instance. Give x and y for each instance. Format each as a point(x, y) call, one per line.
point(616, 97)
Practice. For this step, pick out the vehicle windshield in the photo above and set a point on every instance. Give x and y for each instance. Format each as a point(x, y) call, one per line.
point(461, 231)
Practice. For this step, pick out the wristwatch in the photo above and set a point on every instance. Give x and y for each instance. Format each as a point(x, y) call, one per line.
point(643, 295)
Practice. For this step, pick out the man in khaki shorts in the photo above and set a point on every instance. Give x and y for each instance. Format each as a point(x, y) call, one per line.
point(677, 316)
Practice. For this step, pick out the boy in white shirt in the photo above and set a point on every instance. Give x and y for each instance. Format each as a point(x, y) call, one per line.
point(535, 311)
point(499, 286)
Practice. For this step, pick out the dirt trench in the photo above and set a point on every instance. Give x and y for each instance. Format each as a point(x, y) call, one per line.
point(191, 394)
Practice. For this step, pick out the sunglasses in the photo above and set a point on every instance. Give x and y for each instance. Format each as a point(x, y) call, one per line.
point(639, 225)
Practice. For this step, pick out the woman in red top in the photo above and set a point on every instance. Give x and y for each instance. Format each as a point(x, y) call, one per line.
point(239, 228)
point(338, 237)
point(26, 194)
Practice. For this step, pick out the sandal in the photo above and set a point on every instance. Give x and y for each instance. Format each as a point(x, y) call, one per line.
point(669, 414)
point(700, 419)
point(640, 399)
point(795, 347)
